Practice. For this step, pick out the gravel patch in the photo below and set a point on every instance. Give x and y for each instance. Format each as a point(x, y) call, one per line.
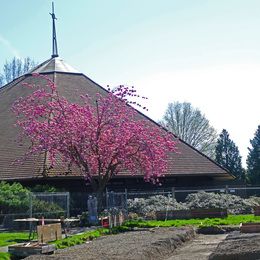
point(157, 243)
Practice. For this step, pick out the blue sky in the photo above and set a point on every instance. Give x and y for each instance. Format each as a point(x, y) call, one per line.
point(206, 52)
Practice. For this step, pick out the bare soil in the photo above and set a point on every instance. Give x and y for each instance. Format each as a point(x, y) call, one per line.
point(199, 248)
point(157, 243)
point(238, 246)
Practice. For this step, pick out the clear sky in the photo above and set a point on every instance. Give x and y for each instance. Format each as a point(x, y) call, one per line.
point(206, 52)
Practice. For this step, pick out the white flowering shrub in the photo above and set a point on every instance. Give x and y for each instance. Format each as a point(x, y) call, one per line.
point(152, 204)
point(234, 204)
point(255, 201)
point(199, 200)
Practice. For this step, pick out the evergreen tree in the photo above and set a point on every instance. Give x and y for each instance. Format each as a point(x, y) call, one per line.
point(253, 159)
point(227, 155)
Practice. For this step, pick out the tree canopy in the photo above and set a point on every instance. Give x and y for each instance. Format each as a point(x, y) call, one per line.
point(191, 126)
point(228, 156)
point(253, 159)
point(15, 68)
point(101, 136)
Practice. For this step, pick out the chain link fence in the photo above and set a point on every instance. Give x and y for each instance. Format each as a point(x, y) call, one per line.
point(116, 200)
point(180, 193)
point(53, 205)
point(146, 203)
point(33, 205)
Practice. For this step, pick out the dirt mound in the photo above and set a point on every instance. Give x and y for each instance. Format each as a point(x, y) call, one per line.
point(238, 247)
point(156, 243)
point(208, 230)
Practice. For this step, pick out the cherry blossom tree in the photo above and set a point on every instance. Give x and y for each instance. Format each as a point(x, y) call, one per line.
point(101, 135)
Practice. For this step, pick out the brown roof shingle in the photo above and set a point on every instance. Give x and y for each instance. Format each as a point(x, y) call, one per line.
point(71, 84)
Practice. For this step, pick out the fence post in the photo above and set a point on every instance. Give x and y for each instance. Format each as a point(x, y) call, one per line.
point(68, 204)
point(126, 207)
point(112, 200)
point(226, 189)
point(107, 198)
point(173, 192)
point(30, 205)
point(30, 211)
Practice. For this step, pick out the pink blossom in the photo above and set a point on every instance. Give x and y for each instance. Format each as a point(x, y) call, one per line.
point(102, 137)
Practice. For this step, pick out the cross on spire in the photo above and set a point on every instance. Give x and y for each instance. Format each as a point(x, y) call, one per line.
point(54, 39)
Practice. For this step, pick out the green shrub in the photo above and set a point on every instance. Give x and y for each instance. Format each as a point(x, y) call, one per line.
point(14, 198)
point(120, 229)
point(44, 188)
point(41, 206)
point(84, 219)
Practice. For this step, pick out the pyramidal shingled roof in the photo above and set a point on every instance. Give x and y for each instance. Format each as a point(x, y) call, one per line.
point(71, 84)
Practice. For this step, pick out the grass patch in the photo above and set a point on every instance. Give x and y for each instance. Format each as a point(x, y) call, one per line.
point(88, 236)
point(12, 238)
point(80, 239)
point(5, 256)
point(230, 220)
point(9, 238)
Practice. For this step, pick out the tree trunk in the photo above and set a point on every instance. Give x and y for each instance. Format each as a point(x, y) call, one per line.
point(98, 186)
point(100, 204)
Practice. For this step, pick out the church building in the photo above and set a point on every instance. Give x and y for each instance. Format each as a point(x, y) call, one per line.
point(188, 168)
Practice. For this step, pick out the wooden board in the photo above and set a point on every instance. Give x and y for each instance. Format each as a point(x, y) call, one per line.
point(209, 213)
point(23, 250)
point(250, 228)
point(173, 214)
point(257, 211)
point(193, 213)
point(50, 232)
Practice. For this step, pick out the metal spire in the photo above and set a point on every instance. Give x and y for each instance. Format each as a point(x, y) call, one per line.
point(54, 39)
